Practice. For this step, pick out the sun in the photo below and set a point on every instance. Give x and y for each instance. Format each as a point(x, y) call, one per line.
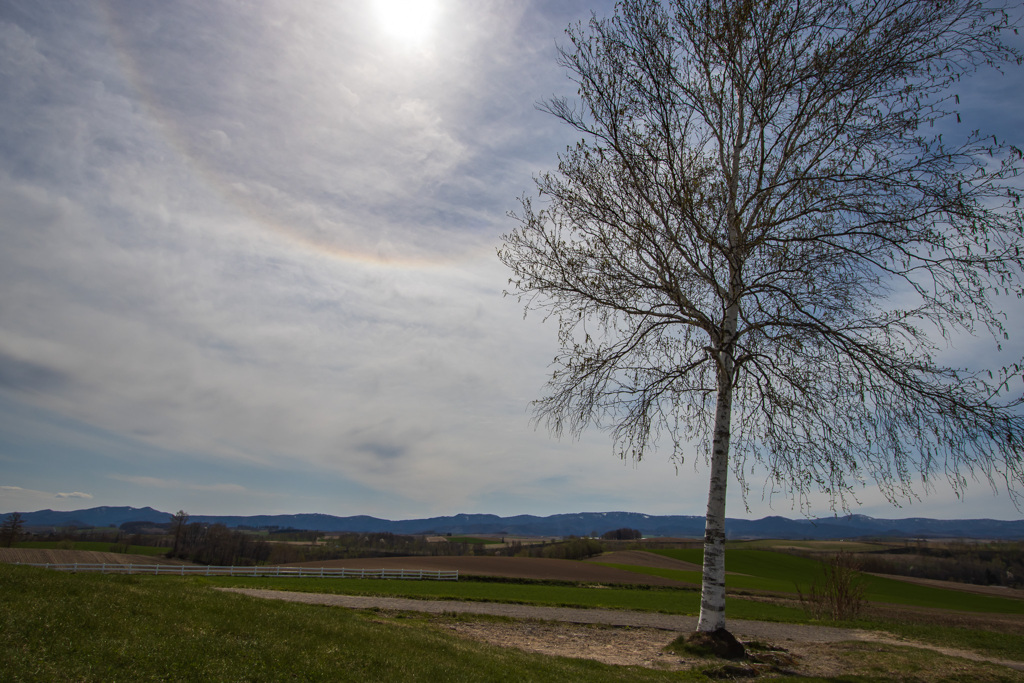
point(406, 21)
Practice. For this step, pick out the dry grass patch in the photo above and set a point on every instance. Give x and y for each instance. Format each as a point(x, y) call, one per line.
point(651, 648)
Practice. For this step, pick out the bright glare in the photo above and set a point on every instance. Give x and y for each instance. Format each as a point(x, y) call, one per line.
point(407, 21)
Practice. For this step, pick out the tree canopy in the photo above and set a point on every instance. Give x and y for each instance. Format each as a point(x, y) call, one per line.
point(769, 231)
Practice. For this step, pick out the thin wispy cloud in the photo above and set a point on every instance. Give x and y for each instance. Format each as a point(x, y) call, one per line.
point(178, 485)
point(18, 499)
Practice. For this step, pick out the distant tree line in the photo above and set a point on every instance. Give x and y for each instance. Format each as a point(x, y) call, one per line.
point(350, 545)
point(991, 564)
point(215, 544)
point(623, 534)
point(570, 549)
point(146, 528)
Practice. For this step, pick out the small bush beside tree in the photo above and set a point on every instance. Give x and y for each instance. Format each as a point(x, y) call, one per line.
point(838, 592)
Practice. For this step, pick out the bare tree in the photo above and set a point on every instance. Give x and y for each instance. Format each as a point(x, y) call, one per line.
point(10, 529)
point(763, 237)
point(179, 522)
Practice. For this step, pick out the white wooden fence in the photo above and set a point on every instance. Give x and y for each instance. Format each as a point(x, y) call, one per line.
point(297, 572)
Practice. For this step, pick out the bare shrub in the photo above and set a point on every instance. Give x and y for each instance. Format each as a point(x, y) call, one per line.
point(837, 592)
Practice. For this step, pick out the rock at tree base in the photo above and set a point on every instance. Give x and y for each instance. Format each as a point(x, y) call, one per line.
point(720, 643)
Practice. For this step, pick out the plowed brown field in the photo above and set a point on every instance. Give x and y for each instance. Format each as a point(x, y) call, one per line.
point(40, 556)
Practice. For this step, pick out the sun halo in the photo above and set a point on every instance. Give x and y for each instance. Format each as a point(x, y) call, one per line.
point(408, 22)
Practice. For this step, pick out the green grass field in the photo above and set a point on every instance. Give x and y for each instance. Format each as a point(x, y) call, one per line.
point(778, 572)
point(764, 571)
point(668, 600)
point(88, 627)
point(75, 627)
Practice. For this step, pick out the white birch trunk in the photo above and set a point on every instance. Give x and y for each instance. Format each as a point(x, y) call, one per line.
point(712, 596)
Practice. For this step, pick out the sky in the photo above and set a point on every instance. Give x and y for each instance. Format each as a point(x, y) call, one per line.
point(247, 265)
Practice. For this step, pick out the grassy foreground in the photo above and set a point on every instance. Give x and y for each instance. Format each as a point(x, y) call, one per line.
point(76, 627)
point(89, 627)
point(667, 600)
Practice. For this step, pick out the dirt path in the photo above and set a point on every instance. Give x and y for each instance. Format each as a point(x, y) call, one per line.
point(640, 643)
point(749, 630)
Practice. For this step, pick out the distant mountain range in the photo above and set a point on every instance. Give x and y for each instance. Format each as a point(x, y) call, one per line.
point(579, 524)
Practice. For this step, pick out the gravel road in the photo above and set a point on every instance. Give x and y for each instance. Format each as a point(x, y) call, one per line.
point(748, 630)
point(781, 634)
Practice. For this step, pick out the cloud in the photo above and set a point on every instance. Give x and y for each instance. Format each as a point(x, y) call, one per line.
point(302, 123)
point(199, 319)
point(258, 248)
point(15, 489)
point(26, 376)
point(383, 451)
point(24, 499)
